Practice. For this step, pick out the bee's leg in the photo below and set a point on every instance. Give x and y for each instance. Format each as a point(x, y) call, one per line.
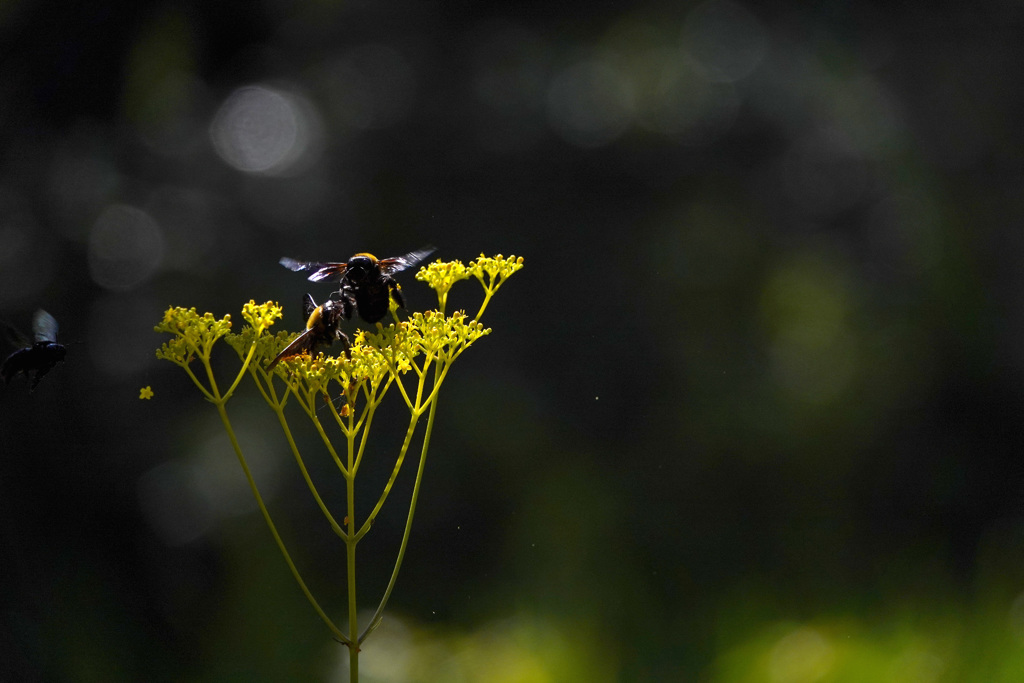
point(348, 302)
point(308, 306)
point(346, 345)
point(396, 291)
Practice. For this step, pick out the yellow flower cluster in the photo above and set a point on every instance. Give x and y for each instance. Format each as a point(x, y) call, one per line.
point(193, 334)
point(441, 276)
point(374, 358)
point(442, 336)
point(267, 345)
point(261, 316)
point(491, 272)
point(370, 363)
point(313, 374)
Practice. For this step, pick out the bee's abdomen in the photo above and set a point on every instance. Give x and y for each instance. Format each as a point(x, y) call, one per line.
point(372, 302)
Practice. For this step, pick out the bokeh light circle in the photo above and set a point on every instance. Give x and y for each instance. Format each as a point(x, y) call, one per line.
point(724, 40)
point(590, 103)
point(265, 130)
point(126, 247)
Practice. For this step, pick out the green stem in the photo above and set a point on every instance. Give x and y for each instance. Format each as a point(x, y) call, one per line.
point(488, 293)
point(394, 475)
point(396, 374)
point(311, 411)
point(219, 401)
point(278, 408)
point(375, 621)
point(373, 400)
point(241, 373)
point(270, 523)
point(350, 557)
point(195, 380)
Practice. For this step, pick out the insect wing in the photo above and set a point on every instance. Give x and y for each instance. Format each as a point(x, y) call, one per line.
point(329, 271)
point(44, 326)
point(400, 263)
point(292, 264)
point(322, 271)
point(298, 346)
point(308, 306)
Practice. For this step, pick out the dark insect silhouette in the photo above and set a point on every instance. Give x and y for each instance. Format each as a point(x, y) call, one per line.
point(323, 326)
point(367, 283)
point(40, 357)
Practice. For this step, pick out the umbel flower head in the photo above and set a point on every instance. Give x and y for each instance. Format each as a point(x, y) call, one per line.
point(194, 334)
point(441, 276)
point(261, 316)
point(491, 272)
point(374, 356)
point(376, 359)
point(411, 355)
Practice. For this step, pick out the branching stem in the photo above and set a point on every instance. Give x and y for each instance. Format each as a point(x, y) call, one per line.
point(374, 364)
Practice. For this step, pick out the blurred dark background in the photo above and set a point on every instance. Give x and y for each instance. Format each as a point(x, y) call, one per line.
point(752, 412)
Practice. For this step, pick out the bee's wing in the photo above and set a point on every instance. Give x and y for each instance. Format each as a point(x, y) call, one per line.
point(298, 346)
point(292, 264)
point(44, 326)
point(322, 271)
point(308, 306)
point(399, 263)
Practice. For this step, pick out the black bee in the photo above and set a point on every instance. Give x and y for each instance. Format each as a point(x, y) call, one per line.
point(367, 284)
point(41, 356)
point(323, 326)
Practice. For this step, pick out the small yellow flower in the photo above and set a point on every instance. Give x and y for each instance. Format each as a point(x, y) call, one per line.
point(491, 272)
point(375, 359)
point(441, 276)
point(261, 316)
point(193, 334)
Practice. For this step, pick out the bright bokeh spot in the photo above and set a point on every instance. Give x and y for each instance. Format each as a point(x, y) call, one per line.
point(844, 650)
point(806, 305)
point(266, 130)
point(126, 246)
point(724, 40)
point(801, 656)
point(590, 103)
point(522, 648)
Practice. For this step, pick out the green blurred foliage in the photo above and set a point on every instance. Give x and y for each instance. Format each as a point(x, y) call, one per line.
point(753, 413)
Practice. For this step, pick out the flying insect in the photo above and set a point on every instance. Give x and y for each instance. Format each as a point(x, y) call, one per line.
point(367, 283)
point(323, 326)
point(41, 356)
